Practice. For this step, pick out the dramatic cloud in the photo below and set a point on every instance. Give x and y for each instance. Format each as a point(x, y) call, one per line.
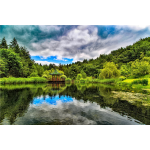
point(74, 42)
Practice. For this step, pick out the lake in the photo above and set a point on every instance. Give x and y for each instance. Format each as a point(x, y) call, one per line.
point(70, 104)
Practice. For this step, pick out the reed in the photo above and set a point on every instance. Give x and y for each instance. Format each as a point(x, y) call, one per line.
point(13, 80)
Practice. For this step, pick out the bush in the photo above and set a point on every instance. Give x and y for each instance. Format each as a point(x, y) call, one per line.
point(110, 71)
point(141, 81)
point(140, 68)
point(63, 76)
point(121, 78)
point(34, 74)
point(79, 76)
point(68, 80)
point(44, 76)
point(22, 80)
point(82, 80)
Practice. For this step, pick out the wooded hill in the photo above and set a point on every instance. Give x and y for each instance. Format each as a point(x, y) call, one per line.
point(16, 61)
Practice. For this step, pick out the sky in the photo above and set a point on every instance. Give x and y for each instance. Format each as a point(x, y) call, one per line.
point(66, 44)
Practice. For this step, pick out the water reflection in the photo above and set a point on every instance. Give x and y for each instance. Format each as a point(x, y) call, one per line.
point(53, 100)
point(67, 104)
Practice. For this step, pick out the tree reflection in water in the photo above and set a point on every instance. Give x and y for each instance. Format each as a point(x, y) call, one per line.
point(67, 104)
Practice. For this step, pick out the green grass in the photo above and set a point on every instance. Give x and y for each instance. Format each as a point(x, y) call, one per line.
point(13, 80)
point(87, 80)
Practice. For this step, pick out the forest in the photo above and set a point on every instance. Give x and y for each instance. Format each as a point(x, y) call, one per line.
point(131, 62)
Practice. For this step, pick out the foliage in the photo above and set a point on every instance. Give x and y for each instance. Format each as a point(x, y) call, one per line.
point(73, 71)
point(79, 76)
point(33, 74)
point(4, 43)
point(140, 68)
point(82, 80)
point(13, 80)
point(83, 74)
point(13, 63)
point(122, 78)
point(125, 70)
point(68, 80)
point(110, 71)
point(39, 69)
point(63, 76)
point(3, 68)
point(44, 76)
point(141, 81)
point(13, 43)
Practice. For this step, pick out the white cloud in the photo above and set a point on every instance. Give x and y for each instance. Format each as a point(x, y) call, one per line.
point(134, 27)
point(46, 63)
point(49, 28)
point(83, 42)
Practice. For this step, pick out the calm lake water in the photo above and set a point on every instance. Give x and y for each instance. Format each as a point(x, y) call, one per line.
point(67, 104)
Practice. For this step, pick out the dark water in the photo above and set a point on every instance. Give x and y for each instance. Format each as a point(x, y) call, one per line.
point(63, 104)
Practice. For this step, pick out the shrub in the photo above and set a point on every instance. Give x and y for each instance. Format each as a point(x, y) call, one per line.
point(44, 76)
point(63, 76)
point(110, 71)
point(140, 68)
point(141, 81)
point(82, 80)
point(121, 78)
point(79, 76)
point(34, 74)
point(68, 80)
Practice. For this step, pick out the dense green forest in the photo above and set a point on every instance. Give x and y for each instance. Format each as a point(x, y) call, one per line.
point(131, 61)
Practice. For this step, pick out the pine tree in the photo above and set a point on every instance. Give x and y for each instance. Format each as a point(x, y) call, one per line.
point(17, 49)
point(0, 44)
point(13, 43)
point(4, 43)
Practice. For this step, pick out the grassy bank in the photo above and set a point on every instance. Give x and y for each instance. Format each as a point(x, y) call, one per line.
point(13, 80)
point(104, 81)
point(138, 84)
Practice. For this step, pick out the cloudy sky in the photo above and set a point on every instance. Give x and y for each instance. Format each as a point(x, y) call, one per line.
point(70, 43)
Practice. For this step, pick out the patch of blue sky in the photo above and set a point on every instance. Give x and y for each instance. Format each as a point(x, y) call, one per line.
point(105, 30)
point(52, 59)
point(52, 100)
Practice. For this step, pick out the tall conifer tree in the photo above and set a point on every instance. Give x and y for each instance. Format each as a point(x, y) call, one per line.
point(13, 43)
point(4, 43)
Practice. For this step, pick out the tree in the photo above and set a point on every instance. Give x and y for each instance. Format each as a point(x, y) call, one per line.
point(40, 70)
point(90, 69)
point(14, 64)
point(3, 68)
point(17, 49)
point(79, 76)
point(140, 68)
point(4, 43)
point(73, 71)
point(13, 43)
point(83, 74)
point(125, 70)
point(34, 74)
point(110, 71)
point(63, 76)
point(60, 67)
